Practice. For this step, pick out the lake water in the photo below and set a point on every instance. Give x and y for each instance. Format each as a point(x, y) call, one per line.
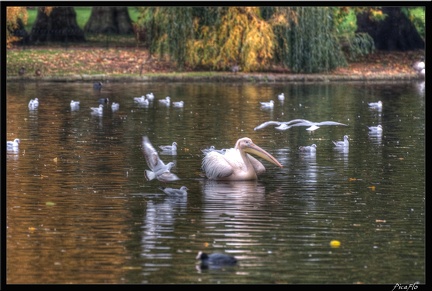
point(79, 209)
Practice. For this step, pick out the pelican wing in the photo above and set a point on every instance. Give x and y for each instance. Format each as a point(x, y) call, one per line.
point(216, 166)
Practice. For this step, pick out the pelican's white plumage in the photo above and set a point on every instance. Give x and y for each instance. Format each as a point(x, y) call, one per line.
point(344, 143)
point(213, 148)
point(284, 125)
point(236, 163)
point(172, 191)
point(158, 169)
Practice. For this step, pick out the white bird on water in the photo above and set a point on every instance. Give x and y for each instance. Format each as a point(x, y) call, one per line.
point(158, 169)
point(172, 191)
point(376, 129)
point(178, 104)
point(344, 143)
point(13, 144)
point(269, 104)
point(281, 96)
point(33, 104)
point(74, 105)
point(166, 101)
point(284, 125)
point(237, 164)
point(308, 149)
point(97, 110)
point(150, 96)
point(376, 105)
point(171, 148)
point(115, 106)
point(142, 100)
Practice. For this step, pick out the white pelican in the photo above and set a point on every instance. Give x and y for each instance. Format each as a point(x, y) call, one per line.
point(158, 168)
point(376, 105)
point(308, 149)
point(172, 147)
point(172, 191)
point(115, 106)
point(284, 125)
point(269, 104)
point(376, 129)
point(236, 164)
point(97, 110)
point(344, 143)
point(13, 144)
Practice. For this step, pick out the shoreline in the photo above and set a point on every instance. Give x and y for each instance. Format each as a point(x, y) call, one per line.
point(221, 77)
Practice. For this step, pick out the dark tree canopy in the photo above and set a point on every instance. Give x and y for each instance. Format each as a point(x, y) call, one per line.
point(59, 25)
point(109, 19)
point(395, 33)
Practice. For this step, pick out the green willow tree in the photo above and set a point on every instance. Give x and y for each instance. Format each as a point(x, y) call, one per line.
point(313, 42)
point(254, 38)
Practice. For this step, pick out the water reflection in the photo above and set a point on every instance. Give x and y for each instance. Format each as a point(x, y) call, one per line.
point(72, 217)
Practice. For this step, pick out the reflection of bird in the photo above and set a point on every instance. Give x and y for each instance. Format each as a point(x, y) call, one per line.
point(172, 147)
point(269, 104)
point(172, 191)
point(376, 105)
point(97, 110)
point(376, 129)
point(236, 164)
point(216, 260)
point(281, 125)
point(115, 106)
point(97, 86)
point(21, 71)
point(308, 149)
point(344, 143)
point(158, 168)
point(13, 144)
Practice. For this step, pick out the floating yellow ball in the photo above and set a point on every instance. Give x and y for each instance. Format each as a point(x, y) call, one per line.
point(335, 243)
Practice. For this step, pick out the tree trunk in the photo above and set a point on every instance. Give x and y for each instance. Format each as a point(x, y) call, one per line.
point(395, 33)
point(59, 26)
point(112, 20)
